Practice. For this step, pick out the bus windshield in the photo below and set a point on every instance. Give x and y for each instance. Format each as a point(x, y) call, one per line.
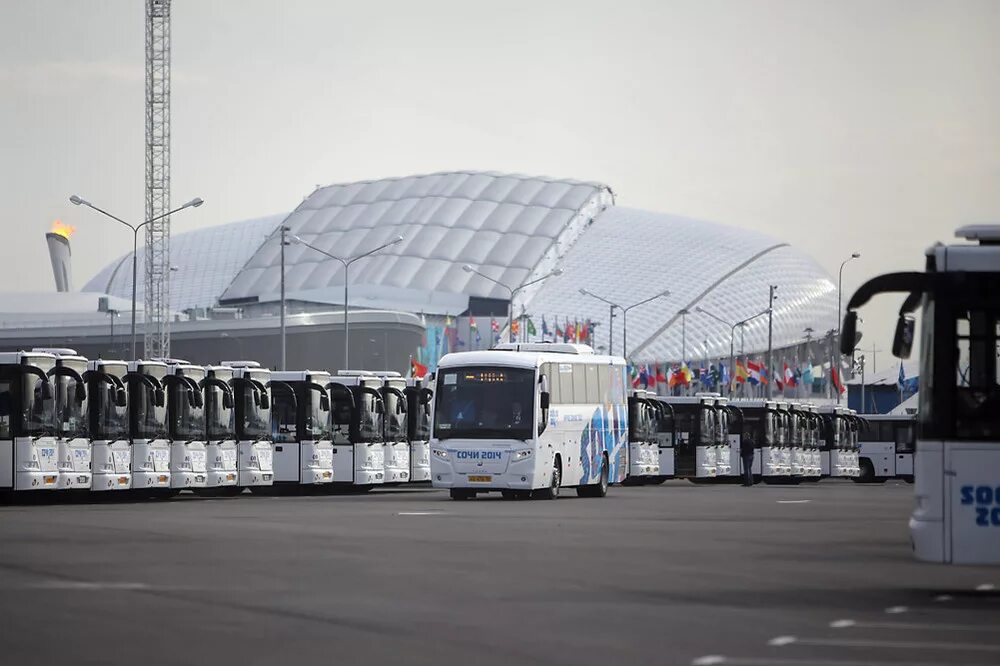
point(256, 419)
point(112, 420)
point(150, 418)
point(395, 417)
point(71, 415)
point(220, 420)
point(483, 402)
point(37, 412)
point(189, 419)
point(318, 422)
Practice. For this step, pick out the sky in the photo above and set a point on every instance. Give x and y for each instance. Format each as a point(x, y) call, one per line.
point(848, 126)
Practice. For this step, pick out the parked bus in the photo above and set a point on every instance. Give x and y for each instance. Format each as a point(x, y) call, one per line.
point(886, 447)
point(301, 428)
point(664, 437)
point(697, 435)
point(111, 450)
point(252, 395)
point(359, 433)
point(221, 448)
point(148, 427)
point(957, 458)
point(764, 425)
point(396, 444)
point(724, 449)
point(71, 418)
point(528, 419)
point(418, 429)
point(29, 456)
point(644, 454)
point(186, 425)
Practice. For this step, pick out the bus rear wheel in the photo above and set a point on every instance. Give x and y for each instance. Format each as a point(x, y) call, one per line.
point(867, 473)
point(599, 489)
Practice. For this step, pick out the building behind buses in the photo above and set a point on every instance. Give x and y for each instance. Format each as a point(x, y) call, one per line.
point(529, 418)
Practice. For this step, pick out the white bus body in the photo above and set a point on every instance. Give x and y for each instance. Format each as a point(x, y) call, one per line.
point(763, 424)
point(724, 450)
point(252, 394)
point(359, 439)
point(696, 439)
point(29, 456)
point(109, 407)
point(836, 456)
point(395, 444)
point(71, 419)
point(529, 417)
point(186, 425)
point(301, 429)
point(956, 467)
point(221, 447)
point(644, 454)
point(886, 447)
point(664, 439)
point(148, 427)
point(418, 428)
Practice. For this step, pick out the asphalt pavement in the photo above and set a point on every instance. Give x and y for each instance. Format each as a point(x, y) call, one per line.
point(818, 574)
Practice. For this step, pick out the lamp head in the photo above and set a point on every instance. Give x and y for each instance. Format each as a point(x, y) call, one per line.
point(855, 255)
point(557, 271)
point(585, 292)
point(194, 203)
point(467, 268)
point(75, 200)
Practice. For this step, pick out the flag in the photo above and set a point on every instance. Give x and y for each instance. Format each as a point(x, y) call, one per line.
point(531, 327)
point(559, 332)
point(835, 378)
point(644, 376)
point(741, 372)
point(753, 373)
point(473, 326)
point(634, 375)
point(807, 375)
point(686, 375)
point(763, 374)
point(725, 376)
point(902, 377)
point(515, 328)
point(447, 320)
point(545, 328)
point(417, 370)
point(789, 375)
point(661, 378)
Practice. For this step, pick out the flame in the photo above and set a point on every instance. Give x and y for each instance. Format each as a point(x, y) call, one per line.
point(64, 230)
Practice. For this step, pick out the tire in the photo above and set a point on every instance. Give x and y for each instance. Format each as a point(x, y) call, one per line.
point(552, 492)
point(461, 494)
point(508, 495)
point(599, 489)
point(867, 473)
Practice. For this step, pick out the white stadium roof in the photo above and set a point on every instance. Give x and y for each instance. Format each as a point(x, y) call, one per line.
point(514, 229)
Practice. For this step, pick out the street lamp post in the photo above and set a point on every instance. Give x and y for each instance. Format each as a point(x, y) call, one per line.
point(510, 305)
point(347, 264)
point(77, 201)
point(684, 313)
point(624, 309)
point(611, 318)
point(770, 338)
point(284, 242)
point(840, 283)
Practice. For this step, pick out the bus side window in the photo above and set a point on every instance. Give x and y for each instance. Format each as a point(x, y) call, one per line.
point(604, 384)
point(579, 384)
point(593, 384)
point(555, 394)
point(5, 402)
point(565, 379)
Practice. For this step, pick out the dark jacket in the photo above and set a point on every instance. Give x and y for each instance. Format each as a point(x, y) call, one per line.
point(746, 447)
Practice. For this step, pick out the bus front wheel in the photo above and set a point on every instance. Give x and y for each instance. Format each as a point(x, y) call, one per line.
point(552, 492)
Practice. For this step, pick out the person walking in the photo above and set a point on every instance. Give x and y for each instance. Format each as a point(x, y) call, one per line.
point(746, 456)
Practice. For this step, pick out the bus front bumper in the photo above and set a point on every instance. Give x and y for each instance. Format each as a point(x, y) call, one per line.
point(102, 481)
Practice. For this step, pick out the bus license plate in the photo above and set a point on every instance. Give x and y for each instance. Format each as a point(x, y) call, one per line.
point(480, 479)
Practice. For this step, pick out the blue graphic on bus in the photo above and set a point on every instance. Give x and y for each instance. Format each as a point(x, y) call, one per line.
point(987, 503)
point(606, 433)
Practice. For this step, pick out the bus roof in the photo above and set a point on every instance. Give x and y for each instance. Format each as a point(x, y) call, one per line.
point(522, 359)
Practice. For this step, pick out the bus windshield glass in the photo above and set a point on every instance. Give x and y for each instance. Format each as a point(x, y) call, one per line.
point(395, 417)
point(317, 424)
point(112, 420)
point(220, 420)
point(256, 419)
point(71, 415)
point(482, 402)
point(151, 419)
point(189, 419)
point(37, 413)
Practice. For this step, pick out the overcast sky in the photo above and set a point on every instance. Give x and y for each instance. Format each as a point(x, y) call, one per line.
point(838, 126)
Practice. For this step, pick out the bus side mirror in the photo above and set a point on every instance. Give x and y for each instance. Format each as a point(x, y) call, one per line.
point(324, 403)
point(227, 400)
point(199, 400)
point(848, 333)
point(46, 390)
point(379, 407)
point(158, 397)
point(81, 392)
point(265, 402)
point(902, 341)
point(544, 399)
point(121, 398)
point(191, 400)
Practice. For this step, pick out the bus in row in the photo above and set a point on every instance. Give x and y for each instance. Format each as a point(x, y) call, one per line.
point(157, 427)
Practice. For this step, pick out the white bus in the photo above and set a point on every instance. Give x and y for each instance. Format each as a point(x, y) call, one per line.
point(186, 425)
point(724, 449)
point(763, 424)
point(886, 447)
point(644, 454)
point(301, 429)
point(957, 461)
point(664, 438)
point(836, 451)
point(221, 448)
point(697, 426)
point(359, 434)
point(528, 419)
point(71, 418)
point(148, 427)
point(396, 446)
point(418, 429)
point(252, 394)
point(28, 449)
point(111, 455)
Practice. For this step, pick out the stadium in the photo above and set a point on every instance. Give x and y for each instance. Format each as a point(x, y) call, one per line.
point(469, 240)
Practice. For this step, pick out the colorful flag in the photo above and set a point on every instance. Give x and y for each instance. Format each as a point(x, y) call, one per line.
point(545, 328)
point(417, 370)
point(754, 373)
point(473, 326)
point(901, 382)
point(807, 375)
point(741, 372)
point(835, 378)
point(661, 378)
point(531, 327)
point(515, 328)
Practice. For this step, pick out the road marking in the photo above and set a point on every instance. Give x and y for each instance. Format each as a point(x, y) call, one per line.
point(420, 513)
point(781, 641)
point(793, 501)
point(896, 610)
point(913, 626)
point(715, 659)
point(985, 587)
point(88, 585)
point(943, 597)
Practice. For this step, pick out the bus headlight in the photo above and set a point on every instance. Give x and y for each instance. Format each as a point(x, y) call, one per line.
point(442, 454)
point(522, 454)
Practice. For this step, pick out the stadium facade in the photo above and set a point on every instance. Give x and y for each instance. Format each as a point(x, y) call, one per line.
point(513, 229)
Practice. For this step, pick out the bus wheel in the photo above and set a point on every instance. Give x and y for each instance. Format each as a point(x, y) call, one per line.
point(461, 494)
point(600, 489)
point(552, 492)
point(867, 473)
